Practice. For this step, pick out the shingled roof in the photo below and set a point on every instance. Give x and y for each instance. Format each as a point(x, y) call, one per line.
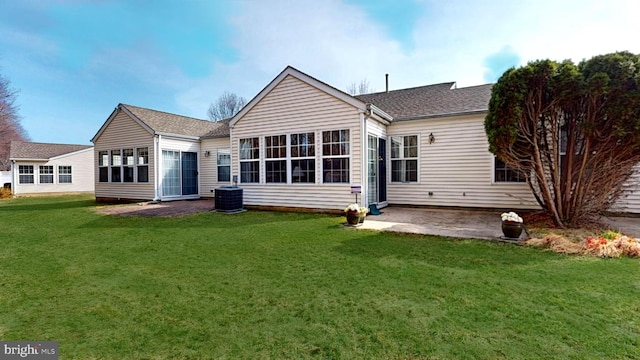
point(163, 122)
point(430, 101)
point(41, 151)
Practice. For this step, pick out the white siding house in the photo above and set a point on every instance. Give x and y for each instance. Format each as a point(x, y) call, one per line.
point(301, 143)
point(41, 168)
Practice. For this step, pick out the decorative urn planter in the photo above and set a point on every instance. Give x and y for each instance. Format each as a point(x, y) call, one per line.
point(511, 225)
point(353, 217)
point(512, 229)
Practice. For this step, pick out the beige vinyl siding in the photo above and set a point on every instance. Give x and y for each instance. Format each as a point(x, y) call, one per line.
point(296, 107)
point(82, 173)
point(457, 168)
point(631, 202)
point(209, 165)
point(123, 132)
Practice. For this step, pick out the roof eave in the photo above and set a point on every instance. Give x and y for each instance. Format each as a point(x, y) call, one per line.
point(188, 137)
point(457, 113)
point(28, 159)
point(382, 116)
point(215, 136)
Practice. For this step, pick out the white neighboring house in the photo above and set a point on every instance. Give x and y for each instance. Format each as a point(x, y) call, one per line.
point(5, 177)
point(42, 168)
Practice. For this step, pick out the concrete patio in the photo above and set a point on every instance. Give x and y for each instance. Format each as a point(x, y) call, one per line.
point(477, 224)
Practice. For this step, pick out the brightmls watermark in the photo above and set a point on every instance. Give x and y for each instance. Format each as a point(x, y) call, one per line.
point(32, 350)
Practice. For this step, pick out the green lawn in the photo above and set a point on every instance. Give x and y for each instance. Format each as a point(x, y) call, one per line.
point(282, 285)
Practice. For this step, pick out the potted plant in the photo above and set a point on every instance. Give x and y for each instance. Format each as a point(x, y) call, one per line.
point(511, 225)
point(355, 213)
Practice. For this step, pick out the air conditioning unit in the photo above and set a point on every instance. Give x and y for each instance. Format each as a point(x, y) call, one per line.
point(228, 199)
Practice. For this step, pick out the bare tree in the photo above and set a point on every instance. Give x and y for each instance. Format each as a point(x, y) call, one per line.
point(227, 105)
point(10, 127)
point(362, 88)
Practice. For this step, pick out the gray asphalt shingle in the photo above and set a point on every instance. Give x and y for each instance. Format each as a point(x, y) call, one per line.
point(430, 101)
point(164, 122)
point(34, 150)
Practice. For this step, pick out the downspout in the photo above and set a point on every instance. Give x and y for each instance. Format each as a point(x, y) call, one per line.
point(14, 172)
point(364, 115)
point(157, 162)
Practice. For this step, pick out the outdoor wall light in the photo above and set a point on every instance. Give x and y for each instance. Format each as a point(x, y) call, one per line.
point(432, 138)
point(207, 153)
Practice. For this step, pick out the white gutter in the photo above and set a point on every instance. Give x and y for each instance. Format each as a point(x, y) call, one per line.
point(178, 136)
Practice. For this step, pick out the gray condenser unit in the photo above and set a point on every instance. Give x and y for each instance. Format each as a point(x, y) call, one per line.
point(228, 199)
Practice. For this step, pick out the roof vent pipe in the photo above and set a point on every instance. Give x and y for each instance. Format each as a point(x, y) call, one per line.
point(386, 78)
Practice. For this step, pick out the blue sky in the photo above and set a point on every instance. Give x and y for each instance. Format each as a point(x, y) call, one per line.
point(73, 61)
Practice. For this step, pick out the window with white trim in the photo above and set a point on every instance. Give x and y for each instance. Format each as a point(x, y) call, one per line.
point(505, 174)
point(275, 159)
point(142, 164)
point(128, 164)
point(64, 174)
point(224, 165)
point(249, 156)
point(46, 174)
point(25, 174)
point(116, 163)
point(404, 158)
point(303, 160)
point(103, 166)
point(335, 156)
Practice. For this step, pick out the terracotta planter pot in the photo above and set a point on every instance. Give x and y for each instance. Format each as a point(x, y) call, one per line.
point(511, 229)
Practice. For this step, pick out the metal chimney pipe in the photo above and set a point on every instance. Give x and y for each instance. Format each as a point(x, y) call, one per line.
point(386, 77)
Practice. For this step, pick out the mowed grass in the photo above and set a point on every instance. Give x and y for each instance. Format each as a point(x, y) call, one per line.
point(284, 285)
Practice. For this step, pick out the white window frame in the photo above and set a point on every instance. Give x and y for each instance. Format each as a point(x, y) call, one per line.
point(63, 174)
point(142, 161)
point(115, 162)
point(103, 164)
point(43, 173)
point(23, 174)
point(303, 151)
point(273, 155)
point(223, 160)
point(128, 165)
point(403, 157)
point(250, 154)
point(344, 153)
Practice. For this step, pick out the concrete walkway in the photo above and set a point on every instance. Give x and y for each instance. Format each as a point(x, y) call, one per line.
point(475, 224)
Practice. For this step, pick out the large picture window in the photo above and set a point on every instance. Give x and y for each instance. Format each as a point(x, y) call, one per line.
point(276, 159)
point(103, 166)
point(25, 174)
point(335, 156)
point(64, 174)
point(404, 158)
point(504, 174)
point(46, 174)
point(249, 160)
point(224, 165)
point(303, 162)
